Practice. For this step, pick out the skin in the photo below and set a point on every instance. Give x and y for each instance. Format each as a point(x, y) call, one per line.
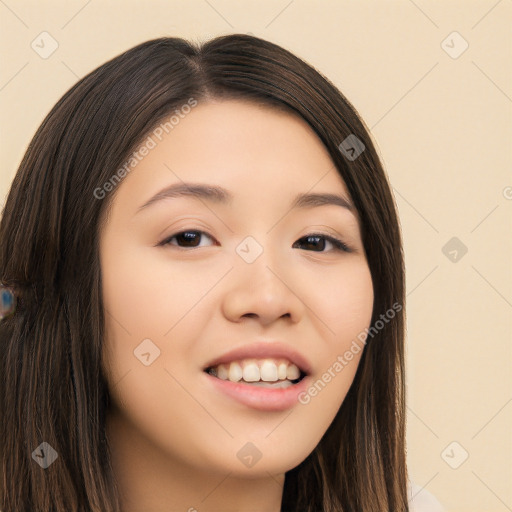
point(174, 438)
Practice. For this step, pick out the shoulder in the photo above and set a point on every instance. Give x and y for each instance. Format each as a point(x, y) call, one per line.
point(420, 500)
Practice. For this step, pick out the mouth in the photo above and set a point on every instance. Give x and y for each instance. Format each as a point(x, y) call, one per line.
point(255, 379)
point(270, 373)
point(263, 375)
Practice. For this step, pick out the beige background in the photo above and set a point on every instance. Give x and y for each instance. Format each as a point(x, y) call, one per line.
point(443, 128)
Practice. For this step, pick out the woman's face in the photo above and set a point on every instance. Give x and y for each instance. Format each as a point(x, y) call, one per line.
point(239, 272)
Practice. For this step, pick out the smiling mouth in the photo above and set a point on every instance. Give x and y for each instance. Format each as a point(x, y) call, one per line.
point(267, 373)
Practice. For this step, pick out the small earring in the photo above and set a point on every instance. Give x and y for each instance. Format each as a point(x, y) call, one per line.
point(7, 302)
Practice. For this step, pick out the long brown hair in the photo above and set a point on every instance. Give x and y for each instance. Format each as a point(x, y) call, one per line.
point(52, 386)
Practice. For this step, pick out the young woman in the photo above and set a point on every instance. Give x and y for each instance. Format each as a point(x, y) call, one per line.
point(203, 302)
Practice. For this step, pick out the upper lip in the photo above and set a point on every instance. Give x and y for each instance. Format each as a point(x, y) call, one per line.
point(263, 350)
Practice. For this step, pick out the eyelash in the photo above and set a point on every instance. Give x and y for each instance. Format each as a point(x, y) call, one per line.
point(339, 245)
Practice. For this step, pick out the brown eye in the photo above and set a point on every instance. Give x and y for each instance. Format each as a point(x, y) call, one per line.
point(317, 243)
point(186, 239)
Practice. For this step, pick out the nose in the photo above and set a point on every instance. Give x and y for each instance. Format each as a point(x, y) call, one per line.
point(263, 291)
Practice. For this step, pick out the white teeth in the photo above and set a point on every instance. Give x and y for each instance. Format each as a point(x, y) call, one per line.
point(235, 372)
point(257, 371)
point(251, 372)
point(222, 372)
point(268, 371)
point(292, 372)
point(281, 371)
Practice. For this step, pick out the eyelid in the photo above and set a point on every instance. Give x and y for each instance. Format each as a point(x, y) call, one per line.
point(337, 242)
point(332, 235)
point(167, 239)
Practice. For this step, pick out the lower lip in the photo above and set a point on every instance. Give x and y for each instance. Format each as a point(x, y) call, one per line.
point(263, 399)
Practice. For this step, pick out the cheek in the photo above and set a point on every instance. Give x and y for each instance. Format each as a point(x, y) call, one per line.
point(148, 295)
point(345, 305)
point(342, 301)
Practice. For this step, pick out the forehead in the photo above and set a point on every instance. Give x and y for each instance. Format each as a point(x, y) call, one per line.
point(254, 151)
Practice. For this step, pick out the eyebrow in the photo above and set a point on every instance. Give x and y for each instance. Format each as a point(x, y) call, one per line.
point(216, 194)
